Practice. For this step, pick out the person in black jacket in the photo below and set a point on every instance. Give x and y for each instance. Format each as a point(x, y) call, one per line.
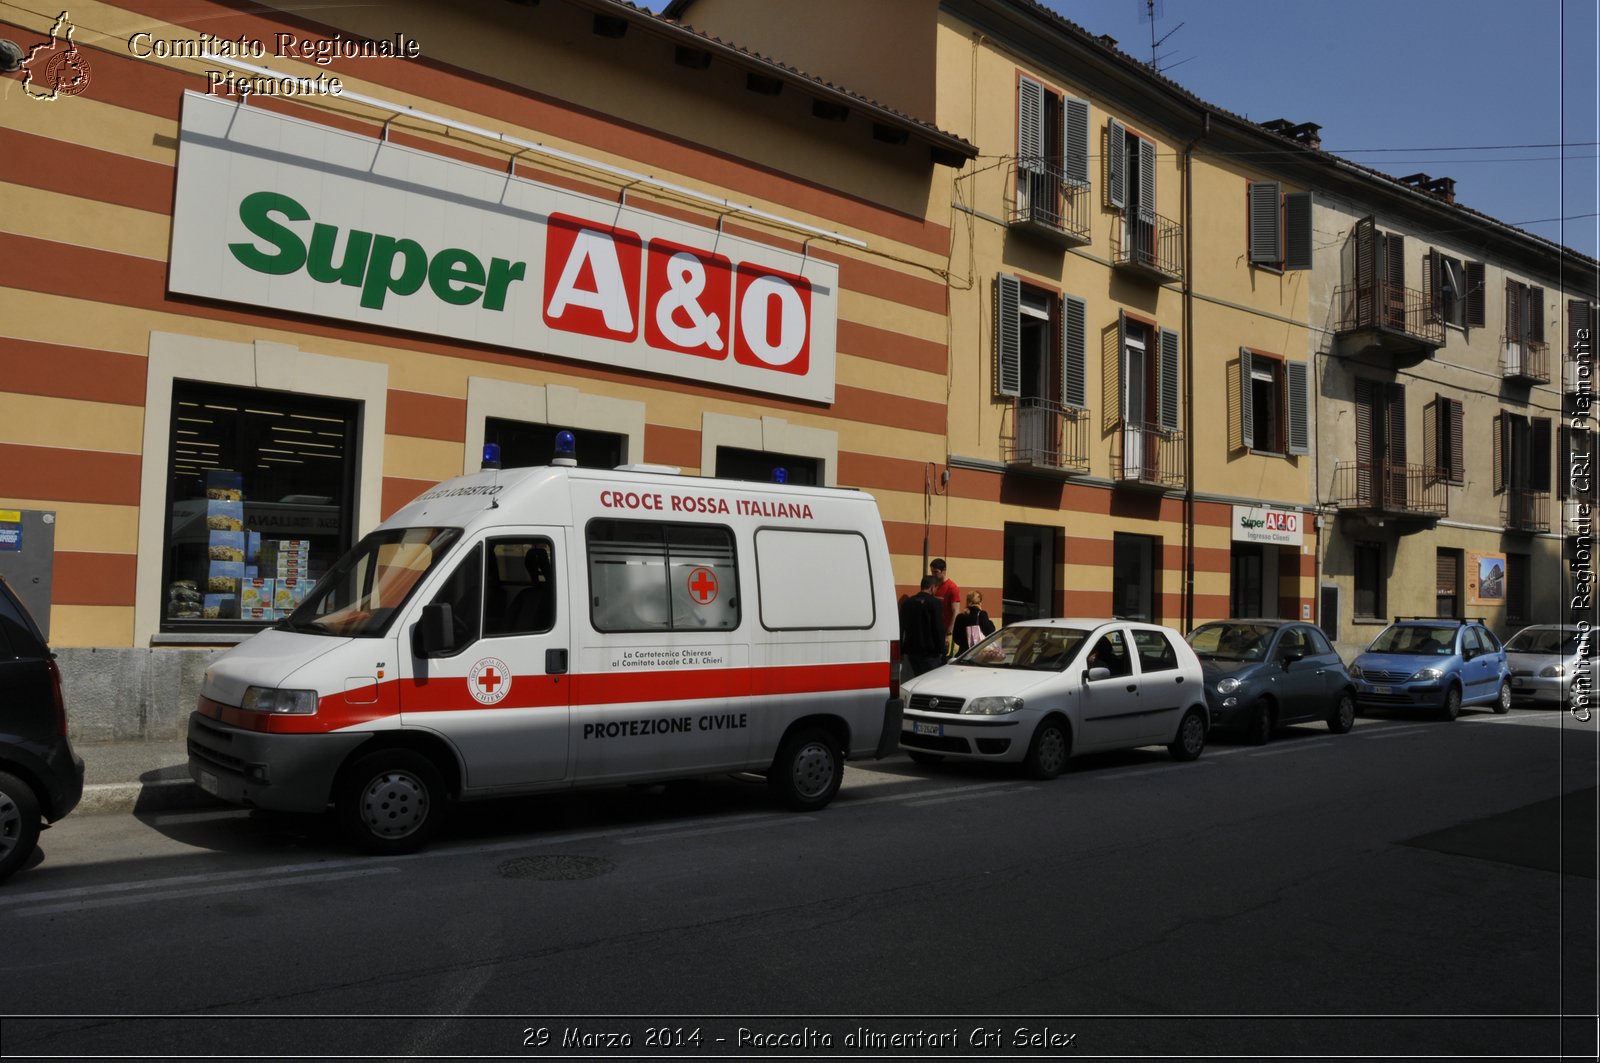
point(922, 629)
point(974, 625)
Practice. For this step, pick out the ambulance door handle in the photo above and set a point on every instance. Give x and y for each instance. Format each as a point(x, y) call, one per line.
point(555, 662)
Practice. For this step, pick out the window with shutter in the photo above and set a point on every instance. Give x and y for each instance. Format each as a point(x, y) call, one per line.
point(1247, 410)
point(1457, 448)
point(1476, 294)
point(1116, 163)
point(1299, 408)
point(1297, 246)
point(1075, 140)
point(1502, 449)
point(1168, 382)
point(1539, 457)
point(1074, 352)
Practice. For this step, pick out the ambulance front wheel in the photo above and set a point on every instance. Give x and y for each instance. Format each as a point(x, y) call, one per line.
point(391, 801)
point(807, 770)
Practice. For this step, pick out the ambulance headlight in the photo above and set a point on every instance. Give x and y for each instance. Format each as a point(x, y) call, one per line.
point(991, 706)
point(281, 702)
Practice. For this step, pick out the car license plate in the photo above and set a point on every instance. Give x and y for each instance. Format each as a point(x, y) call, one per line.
point(208, 782)
point(1383, 690)
point(927, 728)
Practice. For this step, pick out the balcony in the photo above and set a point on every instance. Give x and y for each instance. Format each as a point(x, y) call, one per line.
point(1043, 436)
point(1525, 361)
point(1386, 324)
point(1147, 455)
point(1378, 491)
point(1148, 246)
point(1043, 202)
point(1525, 511)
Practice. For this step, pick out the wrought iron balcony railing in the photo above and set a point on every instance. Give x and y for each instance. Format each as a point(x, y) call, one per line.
point(1045, 435)
point(1389, 489)
point(1525, 511)
point(1525, 360)
point(1149, 245)
point(1147, 454)
point(1042, 200)
point(1388, 316)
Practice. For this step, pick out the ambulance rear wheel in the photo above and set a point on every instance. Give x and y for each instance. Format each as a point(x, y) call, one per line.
point(391, 801)
point(807, 770)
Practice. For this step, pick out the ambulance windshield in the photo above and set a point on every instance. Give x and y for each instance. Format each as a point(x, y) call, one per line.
point(363, 593)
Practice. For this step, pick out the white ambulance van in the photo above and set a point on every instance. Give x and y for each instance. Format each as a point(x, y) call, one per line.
point(534, 629)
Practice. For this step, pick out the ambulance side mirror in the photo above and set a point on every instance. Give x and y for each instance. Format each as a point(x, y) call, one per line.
point(434, 634)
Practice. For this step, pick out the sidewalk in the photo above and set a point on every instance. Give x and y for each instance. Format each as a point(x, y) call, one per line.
point(137, 776)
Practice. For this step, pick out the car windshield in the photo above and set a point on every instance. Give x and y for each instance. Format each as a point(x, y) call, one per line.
point(362, 594)
point(1036, 649)
point(1548, 640)
point(1231, 641)
point(1423, 639)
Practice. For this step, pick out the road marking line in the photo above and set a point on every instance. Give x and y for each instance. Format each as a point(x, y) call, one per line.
point(774, 821)
point(201, 891)
point(1398, 732)
point(1312, 743)
point(184, 880)
point(1154, 771)
point(968, 796)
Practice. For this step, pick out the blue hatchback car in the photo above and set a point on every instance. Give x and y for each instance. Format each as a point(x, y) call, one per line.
point(1433, 663)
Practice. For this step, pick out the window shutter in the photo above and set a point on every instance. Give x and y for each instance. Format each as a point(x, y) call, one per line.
point(1008, 335)
point(1030, 124)
point(1147, 180)
point(1502, 450)
point(1446, 566)
point(1432, 290)
point(1297, 230)
point(1116, 164)
point(1074, 352)
point(1395, 436)
point(1266, 237)
point(1115, 402)
point(1536, 314)
point(1368, 243)
point(1075, 137)
point(1578, 323)
point(1299, 408)
point(1539, 459)
point(1475, 295)
point(1247, 405)
point(1394, 262)
point(1514, 303)
point(1458, 463)
point(1168, 382)
point(1366, 442)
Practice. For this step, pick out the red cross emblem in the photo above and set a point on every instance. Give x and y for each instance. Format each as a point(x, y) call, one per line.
point(703, 585)
point(489, 681)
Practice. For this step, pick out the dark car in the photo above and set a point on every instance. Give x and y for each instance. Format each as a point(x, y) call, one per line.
point(1437, 663)
point(1261, 674)
point(41, 778)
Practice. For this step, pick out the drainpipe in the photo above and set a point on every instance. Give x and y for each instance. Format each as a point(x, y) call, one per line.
point(1188, 369)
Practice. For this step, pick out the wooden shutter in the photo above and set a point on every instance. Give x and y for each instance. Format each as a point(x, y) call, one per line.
point(1008, 335)
point(1395, 428)
point(1075, 140)
point(1299, 407)
point(1432, 289)
point(1475, 295)
point(1502, 451)
point(1536, 314)
point(1114, 401)
point(1147, 181)
point(1394, 278)
point(1074, 352)
point(1247, 405)
point(1457, 452)
point(1368, 253)
point(1539, 457)
point(1297, 245)
point(1030, 124)
point(1266, 233)
point(1447, 568)
point(1366, 440)
point(1167, 382)
point(1515, 301)
point(1116, 163)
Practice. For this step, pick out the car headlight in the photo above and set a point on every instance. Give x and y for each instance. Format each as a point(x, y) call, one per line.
point(1355, 671)
point(1554, 671)
point(1227, 686)
point(280, 702)
point(991, 706)
point(1428, 674)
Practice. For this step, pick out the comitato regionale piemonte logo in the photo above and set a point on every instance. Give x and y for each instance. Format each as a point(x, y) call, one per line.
point(56, 68)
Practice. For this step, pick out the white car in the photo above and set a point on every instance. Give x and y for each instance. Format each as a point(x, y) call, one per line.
point(1041, 691)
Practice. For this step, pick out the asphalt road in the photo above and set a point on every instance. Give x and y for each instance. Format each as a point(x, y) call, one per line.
point(1413, 887)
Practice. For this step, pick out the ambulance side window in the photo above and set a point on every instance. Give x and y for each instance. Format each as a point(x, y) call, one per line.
point(649, 576)
point(463, 593)
point(519, 587)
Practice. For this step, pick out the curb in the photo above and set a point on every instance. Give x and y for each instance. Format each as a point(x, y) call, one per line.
point(162, 795)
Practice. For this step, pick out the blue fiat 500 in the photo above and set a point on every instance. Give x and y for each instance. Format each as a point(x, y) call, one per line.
point(1435, 664)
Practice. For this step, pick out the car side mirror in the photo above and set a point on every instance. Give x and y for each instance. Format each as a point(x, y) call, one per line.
point(1291, 656)
point(1097, 673)
point(434, 635)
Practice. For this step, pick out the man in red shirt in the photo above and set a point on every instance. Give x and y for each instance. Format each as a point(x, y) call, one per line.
point(948, 593)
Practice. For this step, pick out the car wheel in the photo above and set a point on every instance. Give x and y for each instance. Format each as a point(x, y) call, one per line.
point(391, 801)
point(922, 757)
point(19, 823)
point(1049, 750)
point(1343, 716)
point(1191, 738)
point(807, 770)
point(1502, 704)
point(1259, 726)
point(1452, 702)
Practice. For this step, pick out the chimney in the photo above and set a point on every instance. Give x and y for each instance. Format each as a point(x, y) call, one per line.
point(1307, 133)
point(1440, 188)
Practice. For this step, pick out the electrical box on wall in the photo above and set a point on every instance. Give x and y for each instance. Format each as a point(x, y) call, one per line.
point(28, 558)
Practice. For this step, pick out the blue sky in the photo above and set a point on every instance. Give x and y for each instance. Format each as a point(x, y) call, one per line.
point(1482, 91)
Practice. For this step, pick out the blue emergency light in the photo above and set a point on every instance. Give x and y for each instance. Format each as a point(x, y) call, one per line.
point(566, 449)
point(491, 455)
point(780, 475)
